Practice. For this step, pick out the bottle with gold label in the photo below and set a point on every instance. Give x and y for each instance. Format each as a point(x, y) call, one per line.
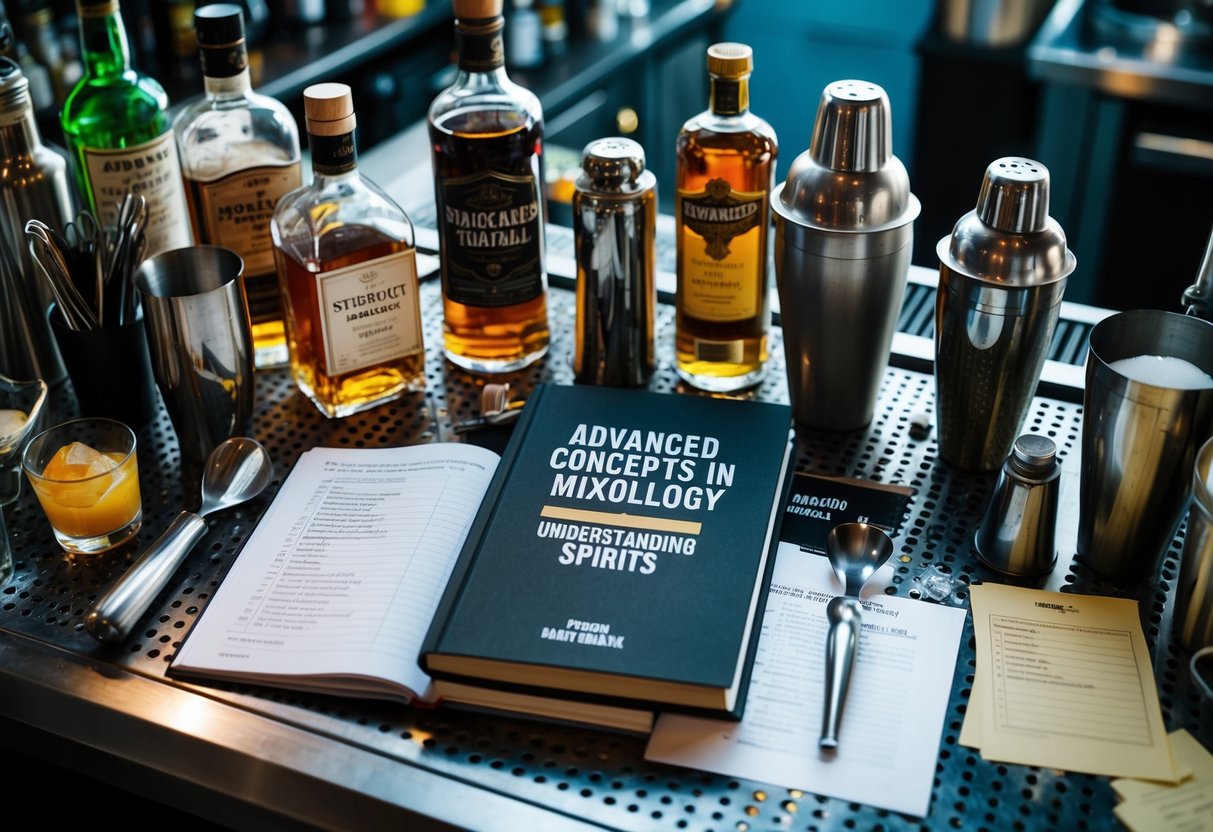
point(116, 124)
point(239, 155)
point(487, 139)
point(725, 170)
point(348, 271)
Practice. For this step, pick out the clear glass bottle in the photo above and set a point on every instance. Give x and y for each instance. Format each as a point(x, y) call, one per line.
point(487, 139)
point(348, 272)
point(725, 170)
point(239, 156)
point(117, 128)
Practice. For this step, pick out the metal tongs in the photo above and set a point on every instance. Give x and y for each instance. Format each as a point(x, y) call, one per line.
point(89, 270)
point(1198, 298)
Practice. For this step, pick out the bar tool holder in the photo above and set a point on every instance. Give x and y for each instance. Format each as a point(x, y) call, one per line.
point(1002, 273)
point(844, 229)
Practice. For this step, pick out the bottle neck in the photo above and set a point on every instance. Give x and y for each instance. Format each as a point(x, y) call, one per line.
point(103, 43)
point(18, 129)
point(730, 96)
point(225, 72)
point(333, 157)
point(480, 46)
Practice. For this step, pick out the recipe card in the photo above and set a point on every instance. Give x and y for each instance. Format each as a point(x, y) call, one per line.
point(907, 654)
point(1065, 681)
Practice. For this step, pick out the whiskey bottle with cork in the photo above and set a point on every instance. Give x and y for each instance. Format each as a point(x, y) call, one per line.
point(239, 155)
point(487, 139)
point(725, 169)
point(116, 124)
point(348, 272)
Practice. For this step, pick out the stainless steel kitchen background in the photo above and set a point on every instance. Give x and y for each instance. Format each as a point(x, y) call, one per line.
point(1115, 97)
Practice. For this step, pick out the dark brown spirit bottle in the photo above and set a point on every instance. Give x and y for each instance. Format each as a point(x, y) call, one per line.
point(487, 139)
point(725, 172)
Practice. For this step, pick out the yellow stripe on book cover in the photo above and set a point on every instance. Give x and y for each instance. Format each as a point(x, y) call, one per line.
point(630, 521)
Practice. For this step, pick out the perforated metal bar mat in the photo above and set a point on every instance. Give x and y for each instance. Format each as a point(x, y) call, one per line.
point(596, 775)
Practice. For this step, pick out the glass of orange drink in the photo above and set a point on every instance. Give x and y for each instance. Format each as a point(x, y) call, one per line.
point(86, 476)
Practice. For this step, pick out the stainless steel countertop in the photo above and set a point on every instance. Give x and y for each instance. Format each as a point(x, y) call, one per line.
point(1070, 48)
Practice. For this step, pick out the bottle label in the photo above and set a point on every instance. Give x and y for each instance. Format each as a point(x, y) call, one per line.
point(726, 96)
point(492, 251)
point(370, 313)
point(235, 212)
point(223, 61)
point(150, 170)
point(722, 261)
point(333, 155)
point(480, 45)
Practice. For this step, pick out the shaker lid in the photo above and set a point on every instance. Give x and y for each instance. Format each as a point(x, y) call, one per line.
point(13, 84)
point(1033, 454)
point(1009, 238)
point(613, 164)
point(849, 178)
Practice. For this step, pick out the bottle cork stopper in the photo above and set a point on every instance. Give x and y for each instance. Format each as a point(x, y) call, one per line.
point(477, 9)
point(329, 109)
point(730, 60)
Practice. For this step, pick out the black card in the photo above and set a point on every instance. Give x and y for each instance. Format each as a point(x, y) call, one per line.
point(818, 503)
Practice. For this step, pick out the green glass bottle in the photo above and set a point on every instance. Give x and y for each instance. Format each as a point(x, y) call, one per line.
point(116, 124)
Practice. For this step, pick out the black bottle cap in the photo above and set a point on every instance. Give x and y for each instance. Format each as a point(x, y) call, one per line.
point(219, 24)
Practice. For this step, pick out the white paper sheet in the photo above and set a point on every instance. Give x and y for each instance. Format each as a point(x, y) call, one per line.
point(889, 742)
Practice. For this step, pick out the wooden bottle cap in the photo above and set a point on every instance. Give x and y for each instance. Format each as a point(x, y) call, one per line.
point(329, 109)
point(477, 9)
point(730, 60)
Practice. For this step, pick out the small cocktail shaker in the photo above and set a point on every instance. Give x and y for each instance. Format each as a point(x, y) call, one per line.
point(1017, 534)
point(844, 228)
point(614, 231)
point(1002, 273)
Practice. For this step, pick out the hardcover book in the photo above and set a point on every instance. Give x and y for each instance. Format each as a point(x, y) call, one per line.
point(622, 554)
point(588, 550)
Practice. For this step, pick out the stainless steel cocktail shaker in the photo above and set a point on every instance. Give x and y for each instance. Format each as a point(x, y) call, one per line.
point(1002, 273)
point(843, 233)
point(614, 229)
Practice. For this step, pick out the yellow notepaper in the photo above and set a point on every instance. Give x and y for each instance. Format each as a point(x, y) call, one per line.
point(1066, 683)
point(1193, 763)
point(1186, 808)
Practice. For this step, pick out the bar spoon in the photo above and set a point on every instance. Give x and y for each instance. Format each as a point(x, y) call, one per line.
point(237, 470)
point(856, 551)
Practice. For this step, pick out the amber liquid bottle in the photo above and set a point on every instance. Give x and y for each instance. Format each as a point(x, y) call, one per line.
point(348, 273)
point(239, 155)
point(487, 138)
point(725, 171)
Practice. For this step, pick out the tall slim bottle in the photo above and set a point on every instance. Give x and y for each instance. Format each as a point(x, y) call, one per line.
point(725, 169)
point(239, 155)
point(487, 139)
point(33, 185)
point(117, 127)
point(348, 271)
